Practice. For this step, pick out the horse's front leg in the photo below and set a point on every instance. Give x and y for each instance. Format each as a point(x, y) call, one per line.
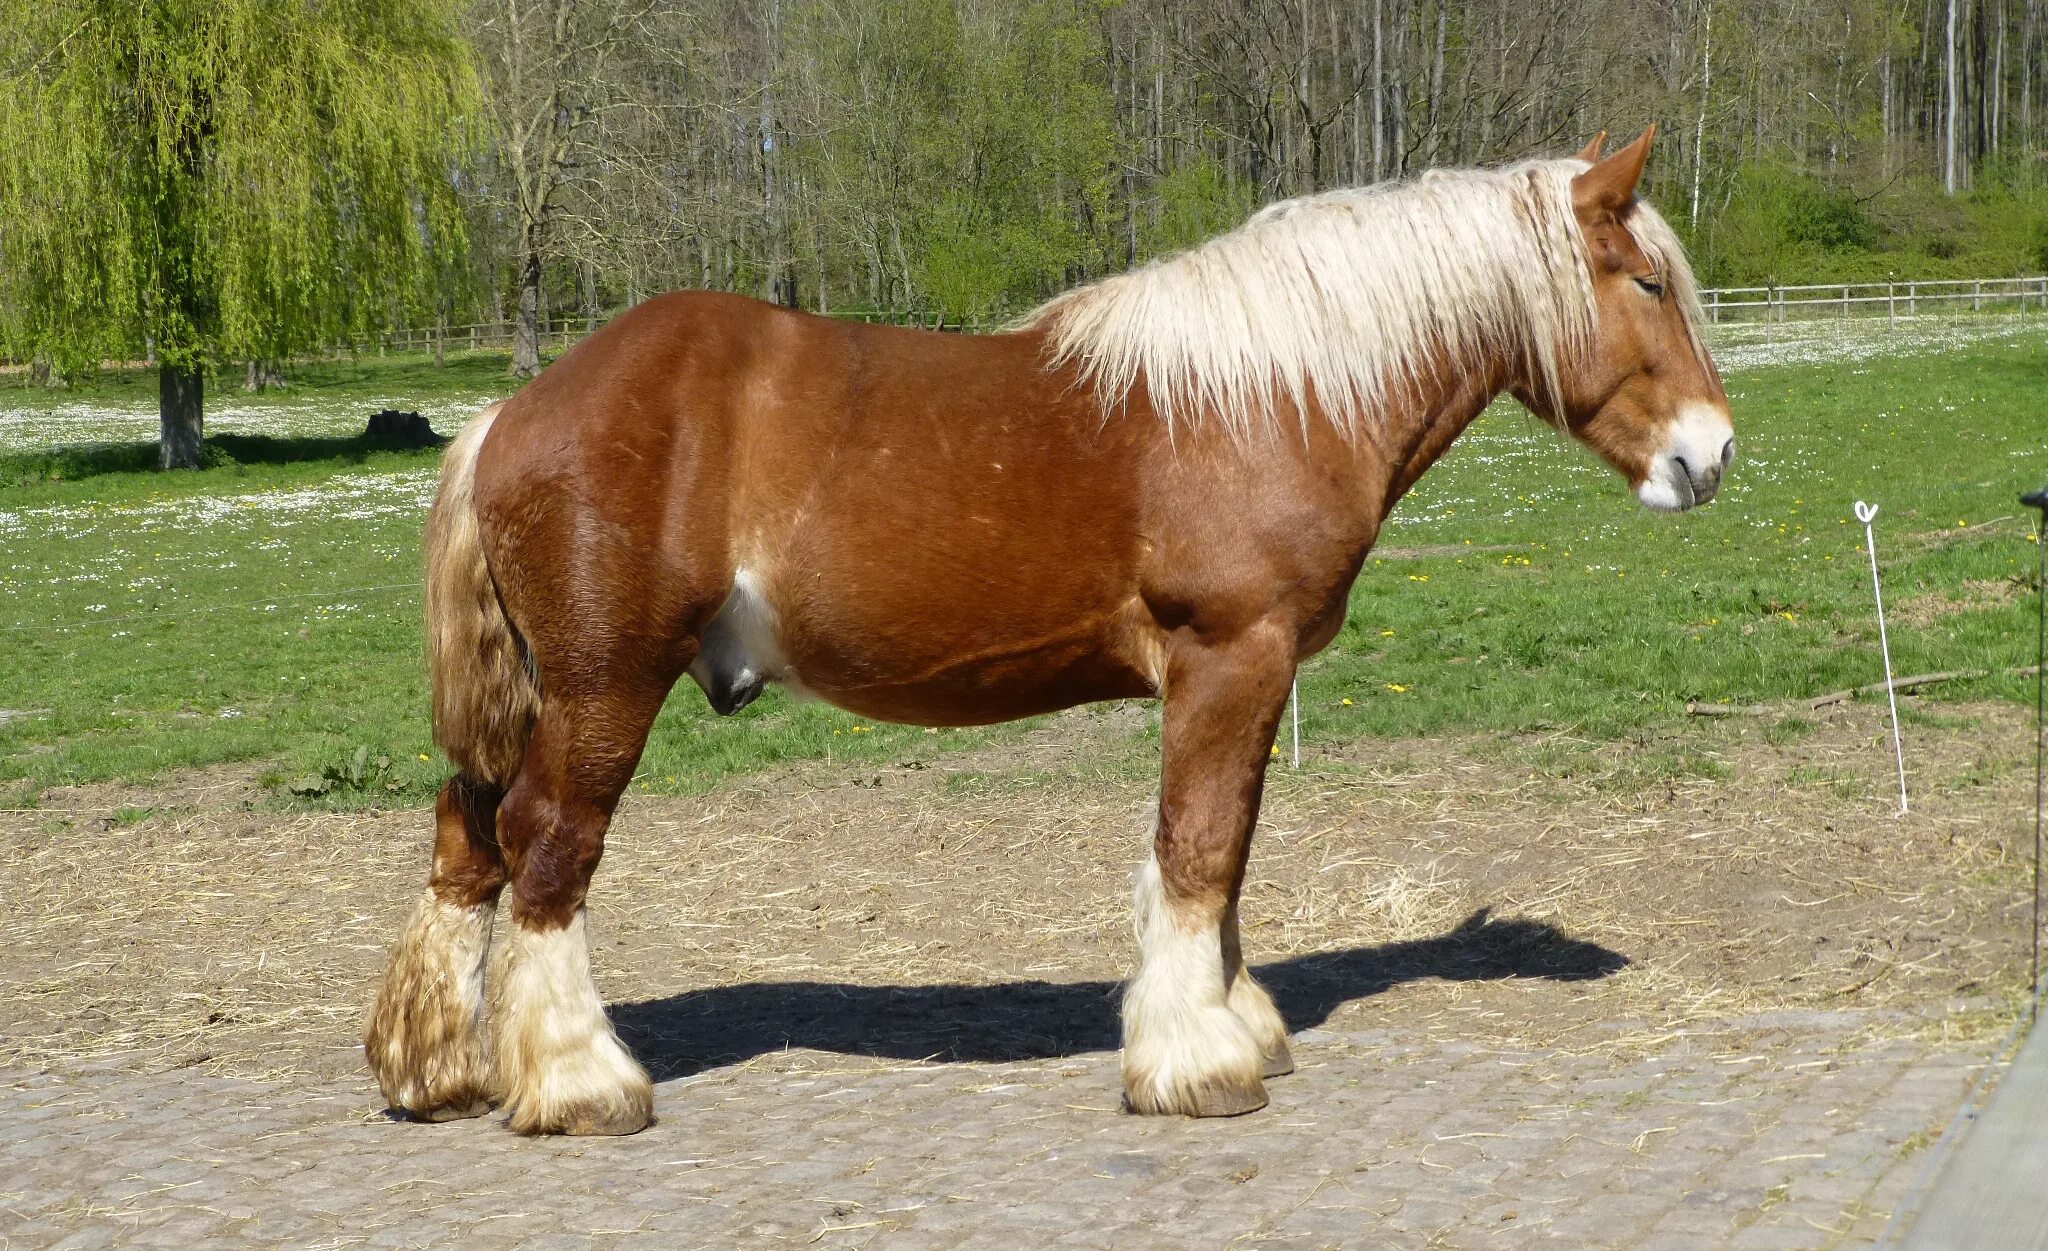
point(1198, 1032)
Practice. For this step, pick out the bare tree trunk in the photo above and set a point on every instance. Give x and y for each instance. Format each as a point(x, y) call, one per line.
point(1996, 87)
point(1699, 131)
point(1884, 111)
point(1379, 92)
point(1948, 162)
point(526, 325)
point(1436, 84)
point(181, 392)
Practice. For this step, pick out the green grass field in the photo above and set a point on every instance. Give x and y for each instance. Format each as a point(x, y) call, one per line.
point(266, 609)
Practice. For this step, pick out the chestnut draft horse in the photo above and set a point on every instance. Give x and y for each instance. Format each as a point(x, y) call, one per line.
point(1161, 484)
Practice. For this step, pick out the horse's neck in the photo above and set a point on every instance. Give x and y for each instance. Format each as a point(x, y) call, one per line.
point(1421, 425)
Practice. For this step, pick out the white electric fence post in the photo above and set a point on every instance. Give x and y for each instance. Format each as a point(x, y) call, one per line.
point(1294, 708)
point(1866, 513)
point(2039, 499)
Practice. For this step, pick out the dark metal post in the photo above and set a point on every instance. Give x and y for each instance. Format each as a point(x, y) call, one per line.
point(2039, 499)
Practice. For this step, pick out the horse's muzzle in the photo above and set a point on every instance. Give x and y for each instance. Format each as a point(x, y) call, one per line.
point(1688, 471)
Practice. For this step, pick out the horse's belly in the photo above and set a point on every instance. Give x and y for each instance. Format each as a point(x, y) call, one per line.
point(940, 668)
point(977, 692)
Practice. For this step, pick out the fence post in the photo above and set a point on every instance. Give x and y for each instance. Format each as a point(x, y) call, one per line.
point(1977, 296)
point(1891, 306)
point(1845, 305)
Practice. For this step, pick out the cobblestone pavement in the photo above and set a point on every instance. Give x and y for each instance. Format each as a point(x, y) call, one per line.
point(1532, 1011)
point(1789, 1130)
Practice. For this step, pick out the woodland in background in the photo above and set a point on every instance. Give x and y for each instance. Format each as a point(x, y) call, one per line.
point(947, 160)
point(964, 158)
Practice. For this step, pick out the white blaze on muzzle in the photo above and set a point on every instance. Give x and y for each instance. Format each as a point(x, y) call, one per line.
point(1687, 471)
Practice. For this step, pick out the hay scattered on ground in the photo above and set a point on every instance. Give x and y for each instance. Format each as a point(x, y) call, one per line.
point(1518, 890)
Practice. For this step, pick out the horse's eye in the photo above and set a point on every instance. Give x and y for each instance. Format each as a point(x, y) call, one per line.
point(1651, 285)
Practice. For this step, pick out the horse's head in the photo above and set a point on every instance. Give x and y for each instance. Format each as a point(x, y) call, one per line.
point(1645, 395)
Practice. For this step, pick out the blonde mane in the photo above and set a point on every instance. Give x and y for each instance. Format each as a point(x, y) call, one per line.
point(1347, 295)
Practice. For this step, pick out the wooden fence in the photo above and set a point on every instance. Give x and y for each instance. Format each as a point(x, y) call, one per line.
point(1891, 300)
point(1724, 306)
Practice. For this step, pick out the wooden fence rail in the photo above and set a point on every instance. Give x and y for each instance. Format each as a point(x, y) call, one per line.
point(1723, 305)
point(1729, 306)
point(1891, 300)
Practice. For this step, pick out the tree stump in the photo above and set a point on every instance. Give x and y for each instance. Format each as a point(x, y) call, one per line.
point(391, 428)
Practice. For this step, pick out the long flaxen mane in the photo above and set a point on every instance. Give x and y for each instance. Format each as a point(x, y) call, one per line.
point(1347, 295)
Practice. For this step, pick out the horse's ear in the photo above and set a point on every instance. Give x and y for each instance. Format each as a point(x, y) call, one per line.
point(1591, 152)
point(1611, 183)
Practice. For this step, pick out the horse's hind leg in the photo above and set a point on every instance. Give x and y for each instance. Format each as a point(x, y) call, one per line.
point(425, 1038)
point(561, 1069)
point(1198, 1033)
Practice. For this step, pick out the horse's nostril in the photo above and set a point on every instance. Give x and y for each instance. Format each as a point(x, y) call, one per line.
point(1727, 454)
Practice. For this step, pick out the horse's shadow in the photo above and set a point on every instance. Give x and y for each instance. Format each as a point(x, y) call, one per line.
point(688, 1033)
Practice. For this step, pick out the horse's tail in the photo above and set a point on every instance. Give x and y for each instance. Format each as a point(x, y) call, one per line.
point(486, 695)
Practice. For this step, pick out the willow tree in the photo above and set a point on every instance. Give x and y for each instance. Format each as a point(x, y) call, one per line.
point(211, 180)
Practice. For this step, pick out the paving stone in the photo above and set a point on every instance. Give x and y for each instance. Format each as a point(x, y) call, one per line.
point(1376, 1143)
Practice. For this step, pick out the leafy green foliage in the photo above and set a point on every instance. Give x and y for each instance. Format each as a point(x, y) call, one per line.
point(1195, 201)
point(968, 151)
point(215, 179)
point(1780, 225)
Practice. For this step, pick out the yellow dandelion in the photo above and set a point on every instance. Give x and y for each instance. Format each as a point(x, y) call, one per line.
point(1397, 688)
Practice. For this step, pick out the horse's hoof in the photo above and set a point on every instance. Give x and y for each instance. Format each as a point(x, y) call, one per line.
point(1207, 1099)
point(1228, 1100)
point(615, 1126)
point(455, 1111)
point(626, 1111)
point(608, 1123)
point(1278, 1062)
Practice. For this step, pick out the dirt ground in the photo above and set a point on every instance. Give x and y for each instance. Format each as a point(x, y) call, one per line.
point(1542, 999)
point(1519, 891)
